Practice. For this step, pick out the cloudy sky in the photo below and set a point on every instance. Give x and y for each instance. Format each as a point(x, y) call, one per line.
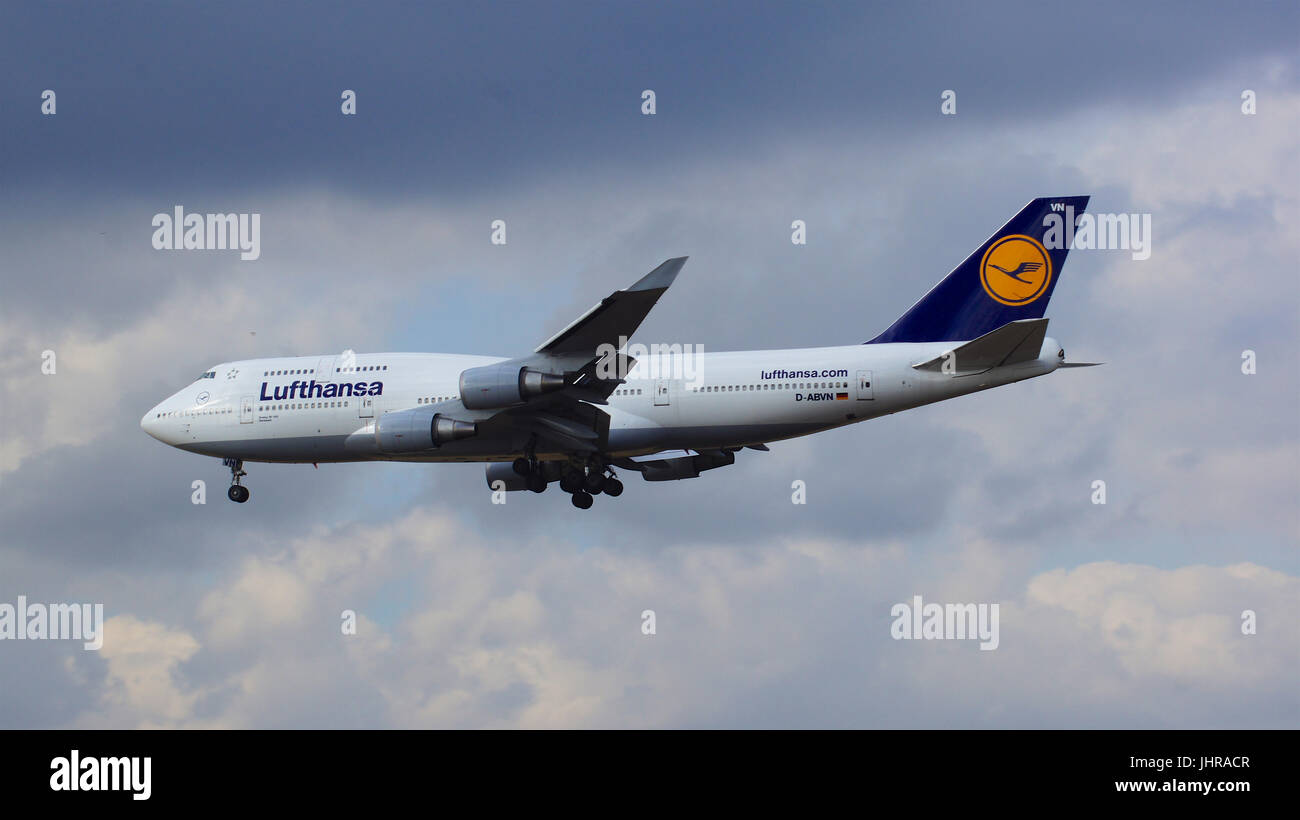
point(375, 236)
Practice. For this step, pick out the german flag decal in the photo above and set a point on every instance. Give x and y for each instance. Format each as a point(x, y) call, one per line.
point(841, 396)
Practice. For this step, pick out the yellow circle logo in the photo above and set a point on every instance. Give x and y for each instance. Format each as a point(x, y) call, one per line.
point(1016, 270)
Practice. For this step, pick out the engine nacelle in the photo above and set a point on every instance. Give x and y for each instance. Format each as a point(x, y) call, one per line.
point(409, 431)
point(504, 472)
point(496, 385)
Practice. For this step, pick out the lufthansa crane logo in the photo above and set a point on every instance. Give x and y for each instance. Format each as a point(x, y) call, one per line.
point(1016, 270)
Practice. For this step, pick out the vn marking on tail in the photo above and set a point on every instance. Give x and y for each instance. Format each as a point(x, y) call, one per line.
point(1016, 270)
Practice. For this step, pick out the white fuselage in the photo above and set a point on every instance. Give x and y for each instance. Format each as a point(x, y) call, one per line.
point(317, 409)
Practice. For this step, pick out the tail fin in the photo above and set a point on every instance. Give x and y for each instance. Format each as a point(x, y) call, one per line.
point(1010, 277)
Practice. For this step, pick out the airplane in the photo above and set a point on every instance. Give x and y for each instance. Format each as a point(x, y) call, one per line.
point(578, 406)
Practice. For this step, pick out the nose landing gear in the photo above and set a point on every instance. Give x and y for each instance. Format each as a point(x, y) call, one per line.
point(237, 492)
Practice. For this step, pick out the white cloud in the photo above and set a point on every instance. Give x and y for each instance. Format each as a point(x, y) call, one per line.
point(143, 688)
point(550, 637)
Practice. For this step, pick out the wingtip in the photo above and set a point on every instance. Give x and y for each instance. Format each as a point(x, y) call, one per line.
point(662, 276)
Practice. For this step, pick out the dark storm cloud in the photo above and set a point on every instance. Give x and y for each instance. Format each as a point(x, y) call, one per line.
point(196, 99)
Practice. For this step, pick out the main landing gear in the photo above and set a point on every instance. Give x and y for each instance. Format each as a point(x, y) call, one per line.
point(583, 482)
point(237, 493)
point(580, 479)
point(531, 470)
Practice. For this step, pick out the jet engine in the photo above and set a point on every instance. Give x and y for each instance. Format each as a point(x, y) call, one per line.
point(504, 472)
point(409, 431)
point(503, 385)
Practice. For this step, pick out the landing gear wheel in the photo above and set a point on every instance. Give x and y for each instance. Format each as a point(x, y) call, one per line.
point(523, 466)
point(612, 487)
point(593, 482)
point(571, 481)
point(536, 483)
point(582, 500)
point(237, 493)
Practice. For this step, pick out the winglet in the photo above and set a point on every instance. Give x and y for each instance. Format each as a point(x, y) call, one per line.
point(662, 276)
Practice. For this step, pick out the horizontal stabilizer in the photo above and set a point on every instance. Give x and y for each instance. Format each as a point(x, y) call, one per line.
point(1014, 342)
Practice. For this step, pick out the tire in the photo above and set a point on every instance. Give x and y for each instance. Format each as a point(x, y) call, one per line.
point(571, 482)
point(536, 483)
point(593, 482)
point(237, 493)
point(522, 467)
point(582, 500)
point(612, 487)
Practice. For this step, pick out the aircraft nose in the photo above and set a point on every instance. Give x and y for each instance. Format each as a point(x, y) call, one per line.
point(149, 423)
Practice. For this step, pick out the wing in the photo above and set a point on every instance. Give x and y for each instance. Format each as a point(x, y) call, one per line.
point(564, 415)
point(615, 317)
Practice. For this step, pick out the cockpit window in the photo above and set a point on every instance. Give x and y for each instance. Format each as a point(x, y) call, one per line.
point(211, 374)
